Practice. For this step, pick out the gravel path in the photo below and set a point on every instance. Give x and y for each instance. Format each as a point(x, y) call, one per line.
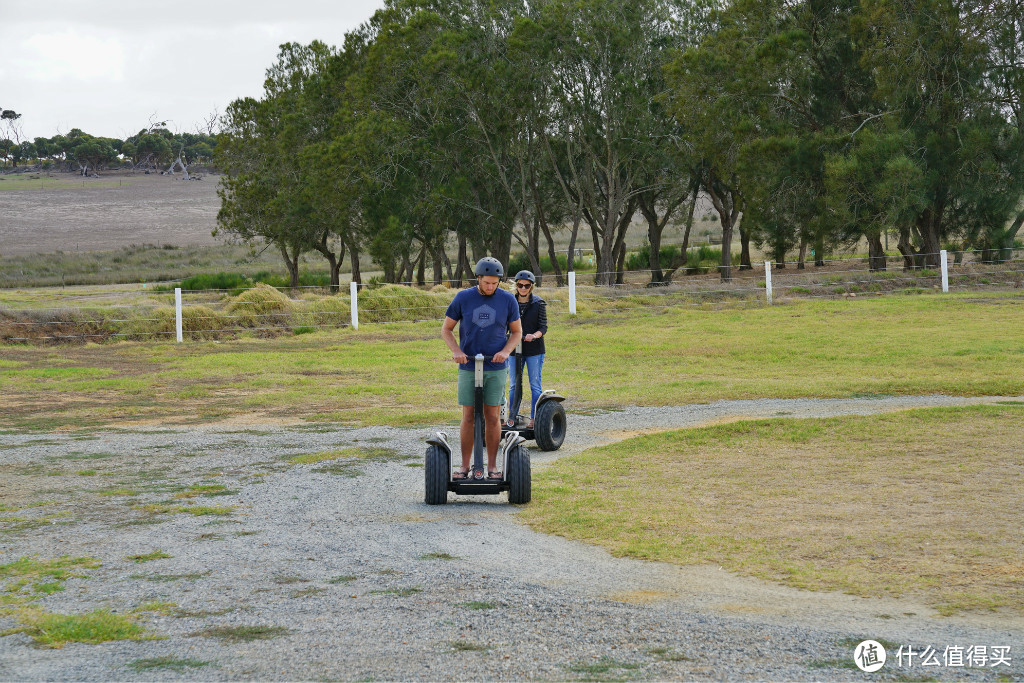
point(370, 583)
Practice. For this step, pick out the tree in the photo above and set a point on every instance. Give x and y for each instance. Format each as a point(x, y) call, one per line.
point(604, 64)
point(933, 64)
point(11, 131)
point(92, 153)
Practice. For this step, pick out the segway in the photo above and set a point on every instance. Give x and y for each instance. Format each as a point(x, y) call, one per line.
point(513, 456)
point(549, 417)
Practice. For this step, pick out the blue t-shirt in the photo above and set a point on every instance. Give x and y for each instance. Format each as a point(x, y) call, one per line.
point(483, 326)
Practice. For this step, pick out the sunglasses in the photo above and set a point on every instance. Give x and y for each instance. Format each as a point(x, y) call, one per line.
point(526, 286)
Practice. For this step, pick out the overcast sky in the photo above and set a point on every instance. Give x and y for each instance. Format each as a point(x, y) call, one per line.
point(110, 66)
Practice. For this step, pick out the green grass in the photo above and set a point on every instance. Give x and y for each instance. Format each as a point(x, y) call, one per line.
point(602, 666)
point(477, 605)
point(146, 557)
point(399, 374)
point(400, 592)
point(56, 630)
point(166, 662)
point(342, 579)
point(438, 556)
point(811, 503)
point(243, 634)
point(45, 576)
point(348, 462)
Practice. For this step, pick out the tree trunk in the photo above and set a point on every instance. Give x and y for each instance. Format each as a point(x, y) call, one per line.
point(556, 267)
point(291, 262)
point(906, 248)
point(461, 261)
point(405, 267)
point(354, 260)
point(725, 204)
point(437, 251)
point(801, 262)
point(680, 261)
point(447, 264)
point(876, 253)
point(421, 266)
point(744, 249)
point(929, 224)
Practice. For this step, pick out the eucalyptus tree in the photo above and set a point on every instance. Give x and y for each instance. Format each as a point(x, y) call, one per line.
point(935, 63)
point(603, 71)
point(405, 128)
point(713, 117)
point(264, 191)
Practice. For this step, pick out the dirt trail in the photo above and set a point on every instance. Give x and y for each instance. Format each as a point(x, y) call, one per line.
point(368, 582)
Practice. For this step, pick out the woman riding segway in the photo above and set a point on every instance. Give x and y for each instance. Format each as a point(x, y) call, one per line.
point(533, 314)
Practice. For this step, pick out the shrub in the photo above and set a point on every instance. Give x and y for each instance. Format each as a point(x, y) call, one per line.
point(229, 281)
point(521, 261)
point(335, 310)
point(260, 306)
point(641, 260)
point(392, 303)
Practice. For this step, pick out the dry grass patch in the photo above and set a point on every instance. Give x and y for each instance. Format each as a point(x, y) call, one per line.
point(923, 503)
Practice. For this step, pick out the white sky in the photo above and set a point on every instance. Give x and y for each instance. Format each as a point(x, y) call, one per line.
point(110, 66)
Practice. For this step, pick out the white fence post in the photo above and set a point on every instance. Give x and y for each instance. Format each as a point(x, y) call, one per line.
point(768, 281)
point(944, 264)
point(177, 312)
point(572, 292)
point(353, 293)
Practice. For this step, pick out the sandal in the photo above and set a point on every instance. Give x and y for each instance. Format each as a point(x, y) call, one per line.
point(461, 474)
point(495, 474)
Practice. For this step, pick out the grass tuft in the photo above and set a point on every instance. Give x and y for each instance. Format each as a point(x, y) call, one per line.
point(243, 634)
point(167, 662)
point(438, 556)
point(99, 626)
point(147, 557)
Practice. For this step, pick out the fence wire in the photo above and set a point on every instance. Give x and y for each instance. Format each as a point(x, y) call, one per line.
point(149, 313)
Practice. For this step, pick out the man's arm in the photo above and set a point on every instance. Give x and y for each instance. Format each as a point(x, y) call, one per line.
point(448, 335)
point(515, 329)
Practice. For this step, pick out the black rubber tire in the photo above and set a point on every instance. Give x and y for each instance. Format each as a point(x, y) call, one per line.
point(518, 476)
point(436, 470)
point(549, 425)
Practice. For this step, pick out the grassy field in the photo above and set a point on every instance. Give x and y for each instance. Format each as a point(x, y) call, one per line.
point(400, 374)
point(924, 503)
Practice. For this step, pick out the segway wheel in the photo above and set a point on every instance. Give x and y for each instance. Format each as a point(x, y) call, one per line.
point(519, 476)
point(549, 426)
point(436, 469)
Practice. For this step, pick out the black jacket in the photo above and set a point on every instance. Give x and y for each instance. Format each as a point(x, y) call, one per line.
point(534, 316)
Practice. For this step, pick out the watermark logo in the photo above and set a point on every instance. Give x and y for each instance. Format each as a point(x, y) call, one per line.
point(869, 656)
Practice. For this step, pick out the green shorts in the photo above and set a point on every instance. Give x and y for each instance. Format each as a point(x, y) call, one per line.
point(494, 387)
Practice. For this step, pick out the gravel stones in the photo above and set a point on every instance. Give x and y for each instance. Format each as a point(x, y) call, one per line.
point(315, 575)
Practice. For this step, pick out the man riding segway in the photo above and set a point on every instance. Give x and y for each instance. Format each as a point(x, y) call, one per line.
point(488, 319)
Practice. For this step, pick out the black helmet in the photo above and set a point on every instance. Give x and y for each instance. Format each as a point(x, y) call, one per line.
point(525, 275)
point(489, 265)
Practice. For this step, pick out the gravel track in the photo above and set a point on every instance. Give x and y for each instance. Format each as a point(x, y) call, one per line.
point(370, 583)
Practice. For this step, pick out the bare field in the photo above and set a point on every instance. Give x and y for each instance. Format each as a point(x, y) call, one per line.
point(63, 212)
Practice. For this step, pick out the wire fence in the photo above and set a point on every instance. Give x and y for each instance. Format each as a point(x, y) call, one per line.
point(94, 314)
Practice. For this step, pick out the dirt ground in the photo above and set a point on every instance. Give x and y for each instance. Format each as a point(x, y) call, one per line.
point(109, 212)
